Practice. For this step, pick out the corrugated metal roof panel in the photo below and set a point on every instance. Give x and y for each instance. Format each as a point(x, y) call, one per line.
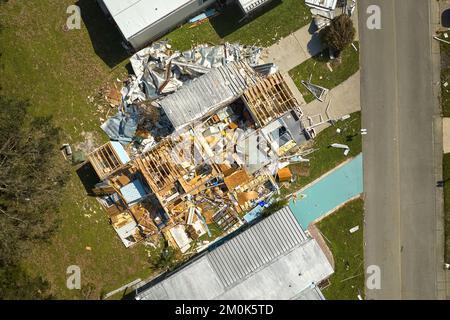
point(209, 92)
point(253, 248)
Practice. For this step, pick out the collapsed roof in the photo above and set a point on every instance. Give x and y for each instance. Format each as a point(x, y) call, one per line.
point(269, 99)
point(208, 93)
point(159, 166)
point(159, 70)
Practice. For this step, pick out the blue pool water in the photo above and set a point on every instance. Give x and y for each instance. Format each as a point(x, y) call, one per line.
point(329, 192)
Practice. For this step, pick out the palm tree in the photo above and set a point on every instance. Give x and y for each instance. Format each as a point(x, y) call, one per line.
point(339, 34)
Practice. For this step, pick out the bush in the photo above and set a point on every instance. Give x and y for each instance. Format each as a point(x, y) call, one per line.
point(164, 258)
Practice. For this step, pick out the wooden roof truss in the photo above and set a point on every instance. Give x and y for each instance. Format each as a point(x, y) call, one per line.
point(105, 161)
point(269, 99)
point(160, 167)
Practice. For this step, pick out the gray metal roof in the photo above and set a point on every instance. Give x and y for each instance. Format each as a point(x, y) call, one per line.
point(256, 247)
point(208, 93)
point(272, 259)
point(313, 293)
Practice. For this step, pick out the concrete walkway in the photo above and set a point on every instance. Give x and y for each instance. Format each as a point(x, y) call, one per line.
point(295, 92)
point(446, 129)
point(443, 279)
point(300, 46)
point(294, 49)
point(345, 99)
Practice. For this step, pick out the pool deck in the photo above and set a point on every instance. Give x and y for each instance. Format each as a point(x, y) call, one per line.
point(329, 192)
point(320, 238)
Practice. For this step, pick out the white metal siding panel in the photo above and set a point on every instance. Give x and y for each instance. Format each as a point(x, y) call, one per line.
point(133, 16)
point(117, 6)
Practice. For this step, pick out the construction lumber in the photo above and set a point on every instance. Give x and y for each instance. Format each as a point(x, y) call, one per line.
point(105, 161)
point(269, 99)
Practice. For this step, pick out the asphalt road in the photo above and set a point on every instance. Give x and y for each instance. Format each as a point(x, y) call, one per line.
point(400, 185)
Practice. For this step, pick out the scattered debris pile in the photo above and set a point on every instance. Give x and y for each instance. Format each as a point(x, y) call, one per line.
point(160, 70)
point(317, 91)
point(197, 143)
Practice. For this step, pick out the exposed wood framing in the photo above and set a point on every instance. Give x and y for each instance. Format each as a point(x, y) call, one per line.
point(159, 166)
point(105, 161)
point(269, 99)
point(142, 217)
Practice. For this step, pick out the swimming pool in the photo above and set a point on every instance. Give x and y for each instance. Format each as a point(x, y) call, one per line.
point(329, 192)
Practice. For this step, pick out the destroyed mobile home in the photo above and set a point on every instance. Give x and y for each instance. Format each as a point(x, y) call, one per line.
point(199, 140)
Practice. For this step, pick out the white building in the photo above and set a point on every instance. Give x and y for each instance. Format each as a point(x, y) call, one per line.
point(141, 21)
point(273, 259)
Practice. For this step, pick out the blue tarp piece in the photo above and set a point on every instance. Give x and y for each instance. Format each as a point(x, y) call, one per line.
point(123, 155)
point(133, 192)
point(252, 215)
point(122, 127)
point(256, 212)
point(204, 15)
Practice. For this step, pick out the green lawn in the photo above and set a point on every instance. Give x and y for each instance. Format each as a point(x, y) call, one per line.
point(215, 230)
point(445, 78)
point(56, 71)
point(348, 251)
point(325, 158)
point(446, 178)
point(277, 20)
point(321, 75)
point(445, 104)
